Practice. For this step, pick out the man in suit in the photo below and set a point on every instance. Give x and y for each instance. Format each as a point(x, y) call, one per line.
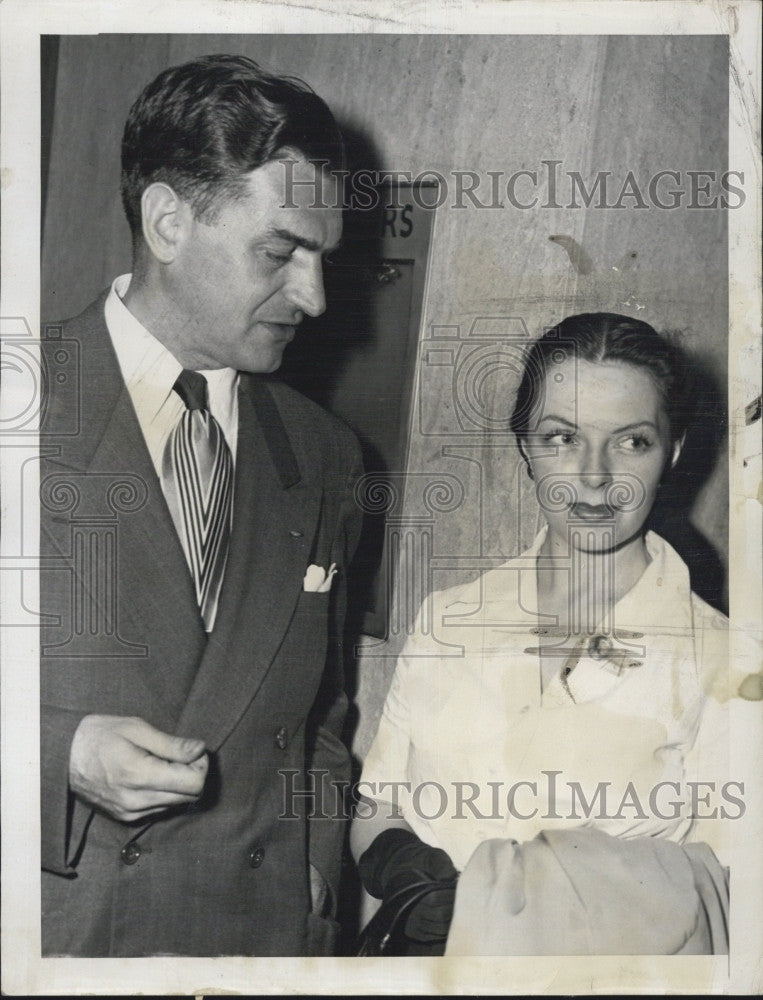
point(195, 535)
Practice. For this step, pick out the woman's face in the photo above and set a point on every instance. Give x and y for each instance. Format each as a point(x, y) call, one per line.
point(598, 444)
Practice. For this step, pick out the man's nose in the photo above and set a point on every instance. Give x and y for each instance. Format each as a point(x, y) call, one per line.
point(305, 290)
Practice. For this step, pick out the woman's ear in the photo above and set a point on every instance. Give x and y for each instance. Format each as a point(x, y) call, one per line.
point(677, 446)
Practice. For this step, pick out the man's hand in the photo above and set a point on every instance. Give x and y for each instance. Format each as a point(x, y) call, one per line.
point(129, 769)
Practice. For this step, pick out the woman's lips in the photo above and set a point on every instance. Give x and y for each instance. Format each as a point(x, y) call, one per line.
point(592, 512)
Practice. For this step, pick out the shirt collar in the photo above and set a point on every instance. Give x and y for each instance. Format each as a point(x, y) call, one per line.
point(660, 598)
point(148, 368)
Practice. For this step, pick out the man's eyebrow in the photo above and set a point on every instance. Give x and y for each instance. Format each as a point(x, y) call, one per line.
point(303, 241)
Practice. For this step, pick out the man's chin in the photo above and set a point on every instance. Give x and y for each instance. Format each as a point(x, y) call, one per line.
point(263, 364)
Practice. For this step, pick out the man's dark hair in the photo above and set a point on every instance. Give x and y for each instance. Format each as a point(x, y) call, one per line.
point(202, 126)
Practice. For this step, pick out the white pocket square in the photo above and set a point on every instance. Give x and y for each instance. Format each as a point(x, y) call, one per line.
point(317, 580)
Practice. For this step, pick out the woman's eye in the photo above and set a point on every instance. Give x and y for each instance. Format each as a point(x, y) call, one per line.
point(636, 442)
point(559, 437)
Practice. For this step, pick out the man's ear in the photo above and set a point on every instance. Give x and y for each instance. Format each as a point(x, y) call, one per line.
point(164, 217)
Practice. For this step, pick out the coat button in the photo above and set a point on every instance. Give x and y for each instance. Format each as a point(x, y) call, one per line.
point(130, 853)
point(256, 857)
point(282, 738)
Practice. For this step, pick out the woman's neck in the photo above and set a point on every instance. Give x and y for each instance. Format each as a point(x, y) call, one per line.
point(580, 588)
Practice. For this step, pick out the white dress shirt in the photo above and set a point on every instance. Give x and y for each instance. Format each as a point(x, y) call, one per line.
point(150, 371)
point(465, 717)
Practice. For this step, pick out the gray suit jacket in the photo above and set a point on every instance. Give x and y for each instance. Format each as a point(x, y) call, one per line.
point(123, 636)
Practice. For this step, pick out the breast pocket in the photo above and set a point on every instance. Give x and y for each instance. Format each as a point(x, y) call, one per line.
point(313, 607)
point(313, 601)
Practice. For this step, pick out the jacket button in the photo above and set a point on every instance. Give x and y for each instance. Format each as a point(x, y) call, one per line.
point(130, 853)
point(256, 857)
point(282, 738)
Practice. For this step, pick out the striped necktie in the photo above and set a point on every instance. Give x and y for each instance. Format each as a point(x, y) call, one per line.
point(197, 478)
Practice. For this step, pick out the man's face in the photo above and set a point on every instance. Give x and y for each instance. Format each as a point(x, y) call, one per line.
point(243, 283)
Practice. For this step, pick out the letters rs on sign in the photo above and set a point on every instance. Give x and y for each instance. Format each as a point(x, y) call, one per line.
point(397, 221)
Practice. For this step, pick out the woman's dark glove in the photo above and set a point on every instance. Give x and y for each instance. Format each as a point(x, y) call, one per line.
point(396, 861)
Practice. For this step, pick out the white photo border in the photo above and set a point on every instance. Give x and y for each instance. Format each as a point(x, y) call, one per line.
point(24, 971)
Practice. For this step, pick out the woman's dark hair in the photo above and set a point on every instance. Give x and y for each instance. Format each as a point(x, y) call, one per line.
point(599, 337)
point(202, 126)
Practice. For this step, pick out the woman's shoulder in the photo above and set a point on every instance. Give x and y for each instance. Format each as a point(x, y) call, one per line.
point(499, 583)
point(728, 654)
point(706, 616)
point(455, 617)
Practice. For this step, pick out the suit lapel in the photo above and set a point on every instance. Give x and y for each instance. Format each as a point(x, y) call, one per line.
point(152, 533)
point(274, 521)
point(156, 600)
point(203, 683)
point(159, 595)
